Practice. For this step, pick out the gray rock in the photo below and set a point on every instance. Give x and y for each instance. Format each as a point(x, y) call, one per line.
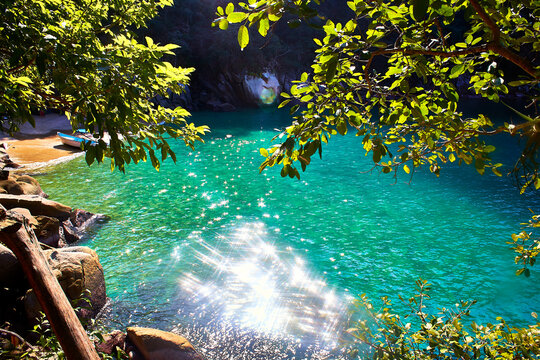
point(79, 217)
point(70, 232)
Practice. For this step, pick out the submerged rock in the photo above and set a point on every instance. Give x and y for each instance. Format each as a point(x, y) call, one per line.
point(79, 222)
point(161, 345)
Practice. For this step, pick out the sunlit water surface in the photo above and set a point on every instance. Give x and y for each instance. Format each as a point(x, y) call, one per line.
point(253, 266)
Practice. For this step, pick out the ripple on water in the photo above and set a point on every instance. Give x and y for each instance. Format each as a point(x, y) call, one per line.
point(258, 267)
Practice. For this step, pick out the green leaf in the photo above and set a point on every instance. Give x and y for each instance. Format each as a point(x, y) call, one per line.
point(523, 116)
point(264, 25)
point(236, 17)
point(457, 70)
point(496, 171)
point(342, 128)
point(519, 82)
point(331, 68)
point(223, 24)
point(229, 9)
point(419, 9)
point(90, 155)
point(243, 37)
point(283, 103)
point(263, 152)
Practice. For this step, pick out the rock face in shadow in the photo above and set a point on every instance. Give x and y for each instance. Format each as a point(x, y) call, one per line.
point(47, 231)
point(78, 271)
point(161, 345)
point(11, 273)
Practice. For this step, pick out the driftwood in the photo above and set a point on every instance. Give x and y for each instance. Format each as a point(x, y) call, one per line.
point(17, 235)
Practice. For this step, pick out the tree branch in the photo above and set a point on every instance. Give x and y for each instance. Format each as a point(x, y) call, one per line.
point(495, 44)
point(439, 53)
point(495, 31)
point(19, 237)
point(511, 56)
point(494, 47)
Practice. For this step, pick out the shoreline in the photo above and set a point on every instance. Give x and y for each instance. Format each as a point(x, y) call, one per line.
point(37, 152)
point(37, 147)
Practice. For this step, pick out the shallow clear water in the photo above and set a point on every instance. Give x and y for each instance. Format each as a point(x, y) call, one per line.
point(259, 267)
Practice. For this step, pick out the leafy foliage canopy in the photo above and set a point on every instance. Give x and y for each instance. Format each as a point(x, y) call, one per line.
point(389, 74)
point(80, 57)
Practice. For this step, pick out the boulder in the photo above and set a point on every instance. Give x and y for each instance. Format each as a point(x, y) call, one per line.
point(111, 341)
point(21, 185)
point(37, 205)
point(47, 231)
point(10, 186)
point(29, 185)
point(161, 345)
point(70, 232)
point(26, 213)
point(81, 276)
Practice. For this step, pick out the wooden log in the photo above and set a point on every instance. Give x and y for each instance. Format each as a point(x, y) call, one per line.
point(17, 235)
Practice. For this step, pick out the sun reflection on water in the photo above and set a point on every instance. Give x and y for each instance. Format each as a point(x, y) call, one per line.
point(256, 286)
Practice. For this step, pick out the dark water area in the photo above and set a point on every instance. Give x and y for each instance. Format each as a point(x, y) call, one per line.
point(254, 266)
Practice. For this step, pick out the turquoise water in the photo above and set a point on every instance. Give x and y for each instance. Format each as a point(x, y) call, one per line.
point(257, 266)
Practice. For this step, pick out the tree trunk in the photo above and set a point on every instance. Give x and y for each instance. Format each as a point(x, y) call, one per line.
point(19, 238)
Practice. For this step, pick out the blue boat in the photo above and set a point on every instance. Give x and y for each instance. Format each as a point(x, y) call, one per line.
point(76, 139)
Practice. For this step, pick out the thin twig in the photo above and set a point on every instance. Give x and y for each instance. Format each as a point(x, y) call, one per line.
point(19, 337)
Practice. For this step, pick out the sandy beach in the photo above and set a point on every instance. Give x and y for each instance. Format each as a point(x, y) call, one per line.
point(35, 147)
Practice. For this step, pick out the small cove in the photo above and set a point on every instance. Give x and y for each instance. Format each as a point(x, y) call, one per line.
point(257, 266)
